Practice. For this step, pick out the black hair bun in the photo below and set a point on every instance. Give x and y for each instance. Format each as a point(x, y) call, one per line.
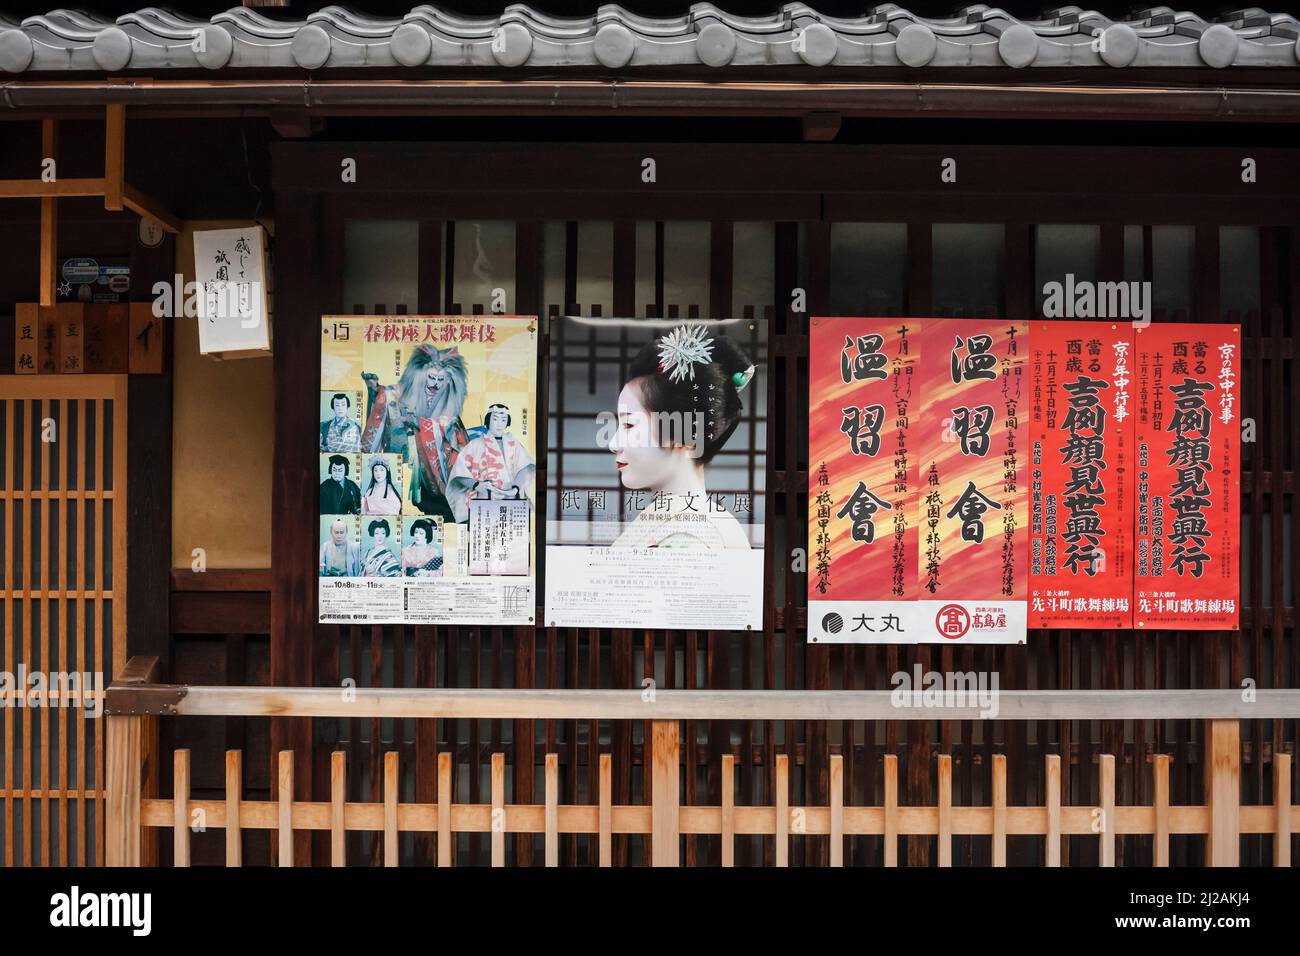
point(713, 391)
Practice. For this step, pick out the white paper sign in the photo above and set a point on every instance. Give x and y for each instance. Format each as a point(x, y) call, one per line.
point(230, 269)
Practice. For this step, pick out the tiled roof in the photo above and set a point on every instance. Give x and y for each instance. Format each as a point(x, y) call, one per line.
point(888, 35)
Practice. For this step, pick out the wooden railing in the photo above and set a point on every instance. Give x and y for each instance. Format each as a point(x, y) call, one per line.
point(135, 705)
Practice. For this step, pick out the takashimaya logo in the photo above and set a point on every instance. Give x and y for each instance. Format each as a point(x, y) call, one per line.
point(952, 621)
point(76, 909)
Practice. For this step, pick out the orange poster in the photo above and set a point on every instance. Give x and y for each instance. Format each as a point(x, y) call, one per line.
point(863, 481)
point(973, 449)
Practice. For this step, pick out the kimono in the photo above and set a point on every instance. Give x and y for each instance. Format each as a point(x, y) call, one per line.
point(388, 503)
point(503, 463)
point(422, 560)
point(340, 498)
point(340, 435)
point(381, 563)
point(432, 444)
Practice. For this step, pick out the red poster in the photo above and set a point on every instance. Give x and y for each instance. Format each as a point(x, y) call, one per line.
point(1081, 479)
point(1187, 569)
point(863, 481)
point(973, 452)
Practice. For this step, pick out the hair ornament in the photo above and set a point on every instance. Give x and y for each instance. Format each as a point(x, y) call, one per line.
point(741, 379)
point(681, 349)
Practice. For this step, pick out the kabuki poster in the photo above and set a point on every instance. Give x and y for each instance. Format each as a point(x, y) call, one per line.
point(1081, 411)
point(656, 473)
point(427, 441)
point(918, 481)
point(1187, 567)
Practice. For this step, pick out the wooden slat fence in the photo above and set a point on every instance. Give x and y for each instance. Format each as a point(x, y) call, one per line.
point(663, 818)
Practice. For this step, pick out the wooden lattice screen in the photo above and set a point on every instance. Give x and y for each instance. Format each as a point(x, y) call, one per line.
point(63, 608)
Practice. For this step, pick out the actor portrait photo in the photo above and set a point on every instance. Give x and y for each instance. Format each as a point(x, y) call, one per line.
point(380, 561)
point(679, 404)
point(339, 494)
point(493, 465)
point(383, 492)
point(340, 557)
point(422, 557)
point(340, 428)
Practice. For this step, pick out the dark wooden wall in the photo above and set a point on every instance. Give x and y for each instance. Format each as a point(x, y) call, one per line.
point(802, 190)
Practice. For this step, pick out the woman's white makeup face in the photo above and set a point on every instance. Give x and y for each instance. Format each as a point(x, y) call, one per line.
point(381, 536)
point(641, 461)
point(379, 473)
point(418, 536)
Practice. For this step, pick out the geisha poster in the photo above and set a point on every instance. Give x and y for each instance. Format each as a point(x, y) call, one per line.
point(863, 495)
point(1187, 569)
point(1081, 414)
point(973, 459)
point(655, 477)
point(427, 469)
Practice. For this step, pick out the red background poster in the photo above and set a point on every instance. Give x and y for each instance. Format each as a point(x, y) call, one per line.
point(1188, 477)
point(1081, 481)
point(862, 531)
point(973, 448)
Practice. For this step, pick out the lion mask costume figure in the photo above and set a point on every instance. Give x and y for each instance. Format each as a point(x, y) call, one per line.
point(419, 418)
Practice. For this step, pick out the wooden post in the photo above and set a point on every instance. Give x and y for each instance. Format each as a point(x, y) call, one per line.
point(665, 750)
point(1053, 788)
point(49, 219)
point(1106, 790)
point(1282, 806)
point(114, 155)
point(498, 840)
point(128, 771)
point(122, 785)
point(1223, 791)
point(234, 793)
point(181, 808)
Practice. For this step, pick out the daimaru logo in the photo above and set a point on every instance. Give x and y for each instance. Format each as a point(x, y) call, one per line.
point(74, 908)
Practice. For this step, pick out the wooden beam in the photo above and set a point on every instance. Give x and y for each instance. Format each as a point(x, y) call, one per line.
point(288, 698)
point(297, 124)
point(114, 155)
point(122, 772)
point(49, 218)
point(37, 189)
point(296, 360)
point(820, 126)
point(665, 777)
point(150, 208)
point(1222, 741)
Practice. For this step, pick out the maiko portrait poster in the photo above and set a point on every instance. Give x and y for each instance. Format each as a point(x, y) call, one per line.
point(1187, 570)
point(656, 473)
point(863, 495)
point(428, 445)
point(1081, 410)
